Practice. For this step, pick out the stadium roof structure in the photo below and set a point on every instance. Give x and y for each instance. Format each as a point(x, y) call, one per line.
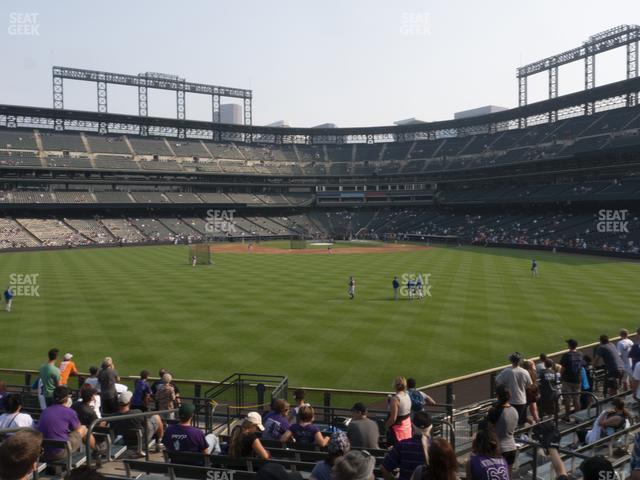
point(593, 99)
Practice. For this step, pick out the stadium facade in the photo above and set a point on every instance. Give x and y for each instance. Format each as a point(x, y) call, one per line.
point(559, 173)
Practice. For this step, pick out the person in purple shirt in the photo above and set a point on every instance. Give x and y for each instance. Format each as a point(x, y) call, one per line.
point(305, 432)
point(59, 422)
point(183, 437)
point(141, 392)
point(485, 462)
point(276, 422)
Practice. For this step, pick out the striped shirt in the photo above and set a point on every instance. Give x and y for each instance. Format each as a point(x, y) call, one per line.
point(405, 455)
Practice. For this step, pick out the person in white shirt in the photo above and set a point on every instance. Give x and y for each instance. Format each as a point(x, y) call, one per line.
point(13, 418)
point(624, 348)
point(516, 379)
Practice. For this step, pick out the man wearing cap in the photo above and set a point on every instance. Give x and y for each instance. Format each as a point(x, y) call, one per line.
point(408, 454)
point(362, 431)
point(67, 368)
point(122, 427)
point(183, 437)
point(570, 365)
point(516, 379)
point(59, 422)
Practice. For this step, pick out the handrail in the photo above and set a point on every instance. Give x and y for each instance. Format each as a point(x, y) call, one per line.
point(118, 418)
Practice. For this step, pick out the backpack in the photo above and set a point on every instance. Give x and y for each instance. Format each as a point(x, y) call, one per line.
point(417, 400)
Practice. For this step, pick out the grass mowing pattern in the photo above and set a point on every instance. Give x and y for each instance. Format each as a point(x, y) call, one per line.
point(290, 314)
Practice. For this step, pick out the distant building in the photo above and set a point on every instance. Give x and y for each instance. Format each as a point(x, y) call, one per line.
point(231, 113)
point(408, 121)
point(279, 123)
point(325, 125)
point(476, 112)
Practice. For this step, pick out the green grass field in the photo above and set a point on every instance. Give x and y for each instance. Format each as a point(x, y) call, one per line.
point(289, 314)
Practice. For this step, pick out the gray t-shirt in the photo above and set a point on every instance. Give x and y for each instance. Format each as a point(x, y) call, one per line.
point(516, 380)
point(363, 433)
point(505, 426)
point(610, 357)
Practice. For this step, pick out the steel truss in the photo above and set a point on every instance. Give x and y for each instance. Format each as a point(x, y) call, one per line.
point(144, 82)
point(620, 36)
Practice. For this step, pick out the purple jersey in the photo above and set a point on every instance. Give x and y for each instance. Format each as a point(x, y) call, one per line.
point(488, 468)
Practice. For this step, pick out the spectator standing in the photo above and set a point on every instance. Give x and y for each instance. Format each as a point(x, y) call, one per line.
point(107, 378)
point(418, 398)
point(142, 392)
point(532, 391)
point(571, 363)
point(67, 369)
point(362, 431)
point(485, 461)
point(298, 399)
point(624, 346)
point(50, 376)
point(399, 421)
point(92, 379)
point(516, 379)
point(548, 388)
point(503, 418)
point(607, 355)
point(540, 365)
point(166, 394)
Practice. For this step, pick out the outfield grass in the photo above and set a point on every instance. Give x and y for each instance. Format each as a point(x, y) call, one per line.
point(289, 314)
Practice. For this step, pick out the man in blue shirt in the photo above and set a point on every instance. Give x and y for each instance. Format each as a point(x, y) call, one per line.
point(8, 298)
point(396, 286)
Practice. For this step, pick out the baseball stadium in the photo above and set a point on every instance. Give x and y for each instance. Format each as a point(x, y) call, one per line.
point(246, 269)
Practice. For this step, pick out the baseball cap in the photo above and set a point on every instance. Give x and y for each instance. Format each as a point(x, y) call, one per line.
point(67, 356)
point(422, 419)
point(359, 407)
point(186, 411)
point(339, 443)
point(572, 343)
point(256, 419)
point(125, 398)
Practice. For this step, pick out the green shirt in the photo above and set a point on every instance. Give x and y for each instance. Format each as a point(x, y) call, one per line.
point(50, 376)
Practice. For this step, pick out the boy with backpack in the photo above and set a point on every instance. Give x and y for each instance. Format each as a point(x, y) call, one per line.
point(418, 399)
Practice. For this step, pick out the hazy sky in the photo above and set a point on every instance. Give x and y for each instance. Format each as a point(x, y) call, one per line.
point(351, 62)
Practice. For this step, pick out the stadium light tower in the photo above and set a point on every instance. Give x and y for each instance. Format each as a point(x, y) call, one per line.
point(622, 35)
point(146, 81)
